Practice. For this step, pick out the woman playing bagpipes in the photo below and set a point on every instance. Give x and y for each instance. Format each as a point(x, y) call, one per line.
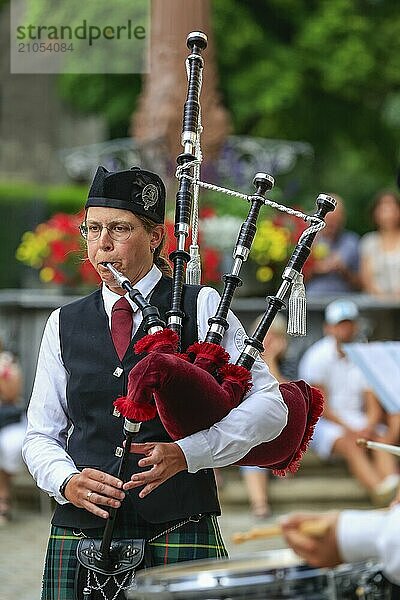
point(153, 500)
point(72, 432)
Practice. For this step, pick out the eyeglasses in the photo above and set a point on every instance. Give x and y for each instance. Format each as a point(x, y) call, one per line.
point(118, 231)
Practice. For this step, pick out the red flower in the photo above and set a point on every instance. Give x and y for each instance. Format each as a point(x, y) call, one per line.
point(210, 258)
point(67, 224)
point(206, 212)
point(59, 277)
point(88, 273)
point(61, 249)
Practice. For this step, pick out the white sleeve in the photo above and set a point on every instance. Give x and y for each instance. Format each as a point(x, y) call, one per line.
point(44, 448)
point(371, 534)
point(259, 418)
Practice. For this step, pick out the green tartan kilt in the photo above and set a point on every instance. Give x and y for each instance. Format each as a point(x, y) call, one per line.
point(192, 541)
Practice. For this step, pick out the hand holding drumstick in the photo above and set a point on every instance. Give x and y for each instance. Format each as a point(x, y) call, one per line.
point(312, 536)
point(309, 527)
point(318, 550)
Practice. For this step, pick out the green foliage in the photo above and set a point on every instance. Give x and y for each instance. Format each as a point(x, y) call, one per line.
point(323, 71)
point(108, 93)
point(326, 72)
point(112, 96)
point(63, 198)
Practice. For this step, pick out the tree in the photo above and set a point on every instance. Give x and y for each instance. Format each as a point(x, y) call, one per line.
point(321, 71)
point(158, 119)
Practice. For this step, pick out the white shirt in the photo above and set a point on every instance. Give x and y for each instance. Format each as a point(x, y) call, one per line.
point(309, 364)
point(343, 380)
point(259, 418)
point(371, 534)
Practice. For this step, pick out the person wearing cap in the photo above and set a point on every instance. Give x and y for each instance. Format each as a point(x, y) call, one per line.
point(351, 410)
point(72, 430)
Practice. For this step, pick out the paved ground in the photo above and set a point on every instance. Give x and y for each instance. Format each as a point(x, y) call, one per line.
point(23, 541)
point(23, 544)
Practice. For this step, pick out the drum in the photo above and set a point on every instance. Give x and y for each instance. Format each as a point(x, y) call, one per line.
point(276, 575)
point(361, 581)
point(272, 575)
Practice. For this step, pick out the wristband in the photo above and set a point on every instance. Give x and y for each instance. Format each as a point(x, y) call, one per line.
point(65, 483)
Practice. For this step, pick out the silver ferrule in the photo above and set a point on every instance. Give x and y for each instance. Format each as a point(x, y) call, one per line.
point(183, 231)
point(237, 265)
point(131, 426)
point(290, 274)
point(175, 320)
point(119, 278)
point(251, 351)
point(281, 293)
point(155, 329)
point(188, 137)
point(188, 147)
point(216, 328)
point(241, 251)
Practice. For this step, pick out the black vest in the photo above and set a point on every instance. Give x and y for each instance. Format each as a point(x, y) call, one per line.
point(90, 359)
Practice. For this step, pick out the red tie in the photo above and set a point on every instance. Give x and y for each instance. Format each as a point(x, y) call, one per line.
point(121, 326)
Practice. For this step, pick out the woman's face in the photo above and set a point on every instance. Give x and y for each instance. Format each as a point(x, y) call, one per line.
point(387, 213)
point(132, 257)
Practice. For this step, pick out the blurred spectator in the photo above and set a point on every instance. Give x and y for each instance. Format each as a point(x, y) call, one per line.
point(335, 268)
point(351, 410)
point(12, 429)
point(256, 479)
point(380, 249)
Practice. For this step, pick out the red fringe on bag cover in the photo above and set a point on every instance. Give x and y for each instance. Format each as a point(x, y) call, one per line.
point(283, 454)
point(195, 390)
point(186, 395)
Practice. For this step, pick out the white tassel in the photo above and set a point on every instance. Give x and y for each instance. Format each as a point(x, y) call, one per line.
point(297, 308)
point(193, 269)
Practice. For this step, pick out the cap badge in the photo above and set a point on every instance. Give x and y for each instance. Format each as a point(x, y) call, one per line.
point(149, 196)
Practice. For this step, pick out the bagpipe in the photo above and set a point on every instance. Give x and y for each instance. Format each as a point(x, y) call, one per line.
point(165, 378)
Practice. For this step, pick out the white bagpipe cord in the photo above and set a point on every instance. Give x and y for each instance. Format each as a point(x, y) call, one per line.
point(297, 301)
point(193, 268)
point(297, 312)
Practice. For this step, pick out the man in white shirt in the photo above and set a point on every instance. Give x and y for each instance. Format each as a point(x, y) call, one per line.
point(351, 410)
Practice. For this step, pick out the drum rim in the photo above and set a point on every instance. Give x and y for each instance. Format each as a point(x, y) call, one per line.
point(285, 558)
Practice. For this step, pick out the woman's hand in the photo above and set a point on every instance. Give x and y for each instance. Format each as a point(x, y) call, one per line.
point(91, 489)
point(165, 459)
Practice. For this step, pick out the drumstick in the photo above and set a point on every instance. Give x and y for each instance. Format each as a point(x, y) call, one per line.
point(311, 528)
point(378, 446)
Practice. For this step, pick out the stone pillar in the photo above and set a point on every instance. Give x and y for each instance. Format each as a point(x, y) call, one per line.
point(158, 119)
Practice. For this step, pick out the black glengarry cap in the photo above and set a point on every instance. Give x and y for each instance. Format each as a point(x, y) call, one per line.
point(141, 192)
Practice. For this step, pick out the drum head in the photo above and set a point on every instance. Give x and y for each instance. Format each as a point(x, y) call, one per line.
point(274, 575)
